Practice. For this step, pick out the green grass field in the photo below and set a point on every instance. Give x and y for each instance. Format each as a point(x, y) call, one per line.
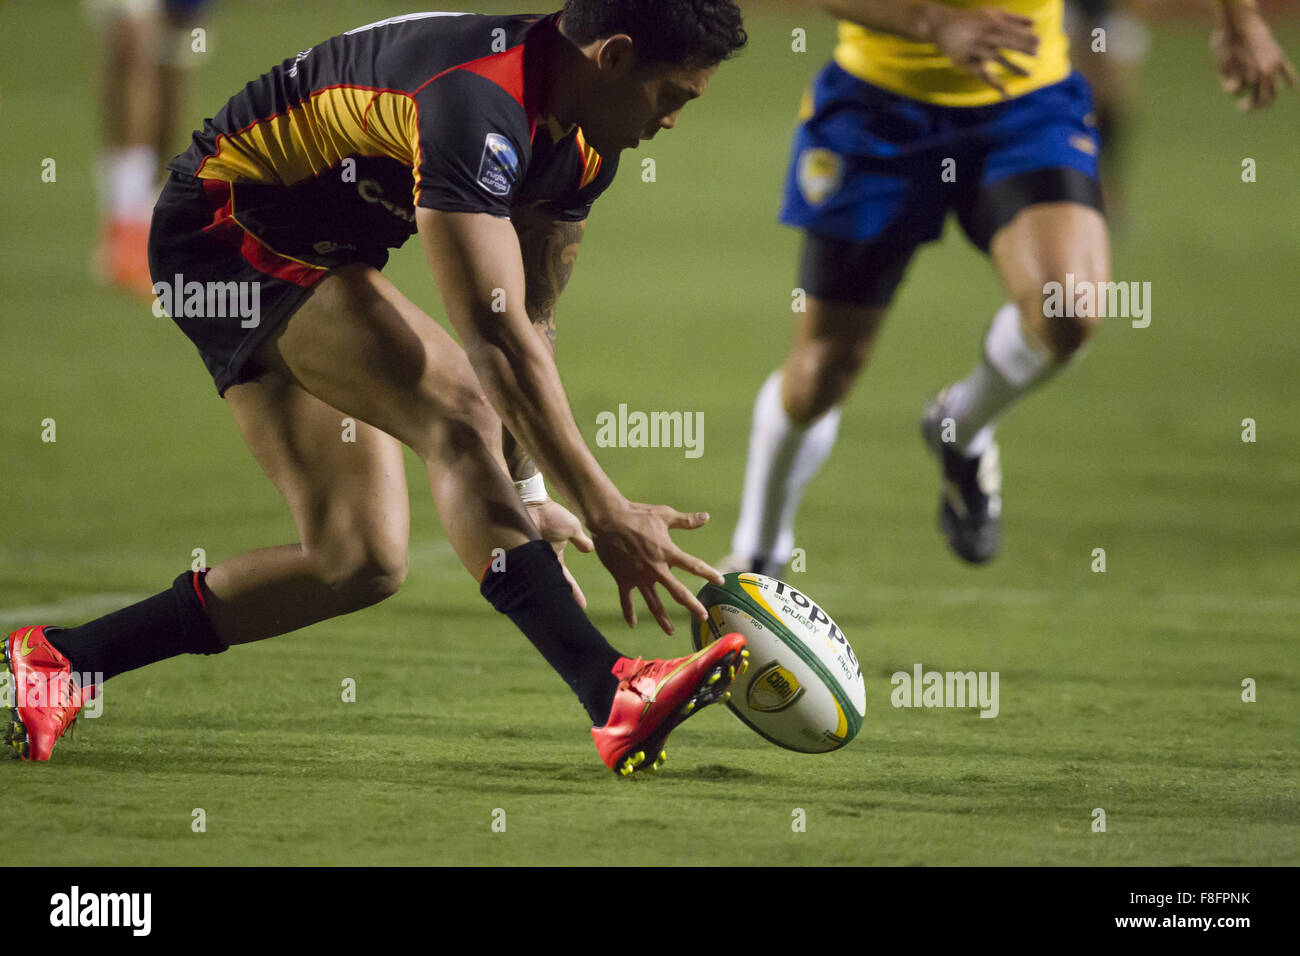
point(1120, 690)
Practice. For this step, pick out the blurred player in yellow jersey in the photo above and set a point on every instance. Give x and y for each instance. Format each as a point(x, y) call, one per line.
point(930, 107)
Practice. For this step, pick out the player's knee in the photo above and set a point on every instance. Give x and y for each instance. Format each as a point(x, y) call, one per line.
point(467, 406)
point(1066, 335)
point(1065, 315)
point(464, 422)
point(362, 573)
point(819, 375)
point(453, 417)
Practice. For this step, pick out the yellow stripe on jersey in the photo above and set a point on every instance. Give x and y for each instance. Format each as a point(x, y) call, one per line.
point(590, 158)
point(919, 71)
point(590, 161)
point(315, 135)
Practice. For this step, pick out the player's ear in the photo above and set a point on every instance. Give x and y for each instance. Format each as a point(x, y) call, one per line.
point(616, 54)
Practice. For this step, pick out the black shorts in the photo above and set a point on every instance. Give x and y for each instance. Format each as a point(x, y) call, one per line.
point(226, 289)
point(869, 272)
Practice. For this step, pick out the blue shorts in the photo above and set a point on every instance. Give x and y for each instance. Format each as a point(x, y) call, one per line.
point(876, 174)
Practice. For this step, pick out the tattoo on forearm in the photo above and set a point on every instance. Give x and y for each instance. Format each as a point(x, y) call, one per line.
point(550, 254)
point(519, 462)
point(550, 251)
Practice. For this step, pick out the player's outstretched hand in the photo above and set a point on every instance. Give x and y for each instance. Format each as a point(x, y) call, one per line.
point(1251, 65)
point(975, 40)
point(633, 543)
point(560, 526)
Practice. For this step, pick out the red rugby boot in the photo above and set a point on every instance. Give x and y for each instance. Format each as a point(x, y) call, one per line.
point(43, 698)
point(653, 697)
point(121, 259)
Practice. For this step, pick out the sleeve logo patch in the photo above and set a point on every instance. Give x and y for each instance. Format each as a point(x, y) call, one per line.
point(499, 168)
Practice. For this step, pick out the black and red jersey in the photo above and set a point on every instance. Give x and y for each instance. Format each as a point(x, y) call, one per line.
point(335, 148)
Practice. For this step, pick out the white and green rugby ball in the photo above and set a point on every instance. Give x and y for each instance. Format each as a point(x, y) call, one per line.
point(803, 689)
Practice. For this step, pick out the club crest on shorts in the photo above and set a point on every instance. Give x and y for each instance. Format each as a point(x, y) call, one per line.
point(499, 167)
point(820, 175)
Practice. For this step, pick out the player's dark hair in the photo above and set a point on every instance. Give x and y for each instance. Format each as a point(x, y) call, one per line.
point(695, 32)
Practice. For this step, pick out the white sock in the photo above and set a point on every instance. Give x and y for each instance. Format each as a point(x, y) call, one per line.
point(783, 458)
point(128, 182)
point(1009, 368)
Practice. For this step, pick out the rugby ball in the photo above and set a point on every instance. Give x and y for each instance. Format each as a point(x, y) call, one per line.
point(803, 689)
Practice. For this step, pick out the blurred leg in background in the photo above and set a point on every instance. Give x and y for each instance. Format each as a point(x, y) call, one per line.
point(147, 48)
point(1107, 45)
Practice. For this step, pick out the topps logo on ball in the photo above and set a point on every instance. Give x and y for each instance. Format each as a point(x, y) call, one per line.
point(499, 167)
point(795, 606)
point(805, 691)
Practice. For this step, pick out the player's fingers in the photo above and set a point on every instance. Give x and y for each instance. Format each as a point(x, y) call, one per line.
point(682, 595)
point(1019, 45)
point(1288, 73)
point(1017, 70)
point(1021, 41)
point(656, 607)
point(625, 600)
point(678, 519)
point(1248, 95)
point(1013, 19)
point(1006, 22)
point(982, 71)
point(1233, 68)
point(573, 583)
point(1266, 91)
point(689, 562)
point(582, 542)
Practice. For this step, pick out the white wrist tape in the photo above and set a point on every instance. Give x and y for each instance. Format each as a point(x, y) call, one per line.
point(532, 490)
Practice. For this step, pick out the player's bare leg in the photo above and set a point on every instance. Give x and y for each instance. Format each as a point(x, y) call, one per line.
point(349, 503)
point(1027, 343)
point(359, 341)
point(796, 418)
point(363, 350)
point(355, 348)
point(832, 343)
point(177, 58)
point(129, 95)
point(130, 100)
point(362, 347)
point(1113, 69)
point(1044, 244)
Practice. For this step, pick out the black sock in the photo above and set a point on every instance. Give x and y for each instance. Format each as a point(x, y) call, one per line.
point(533, 593)
point(173, 622)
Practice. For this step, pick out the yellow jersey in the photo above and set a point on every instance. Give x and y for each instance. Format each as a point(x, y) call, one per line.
point(919, 71)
